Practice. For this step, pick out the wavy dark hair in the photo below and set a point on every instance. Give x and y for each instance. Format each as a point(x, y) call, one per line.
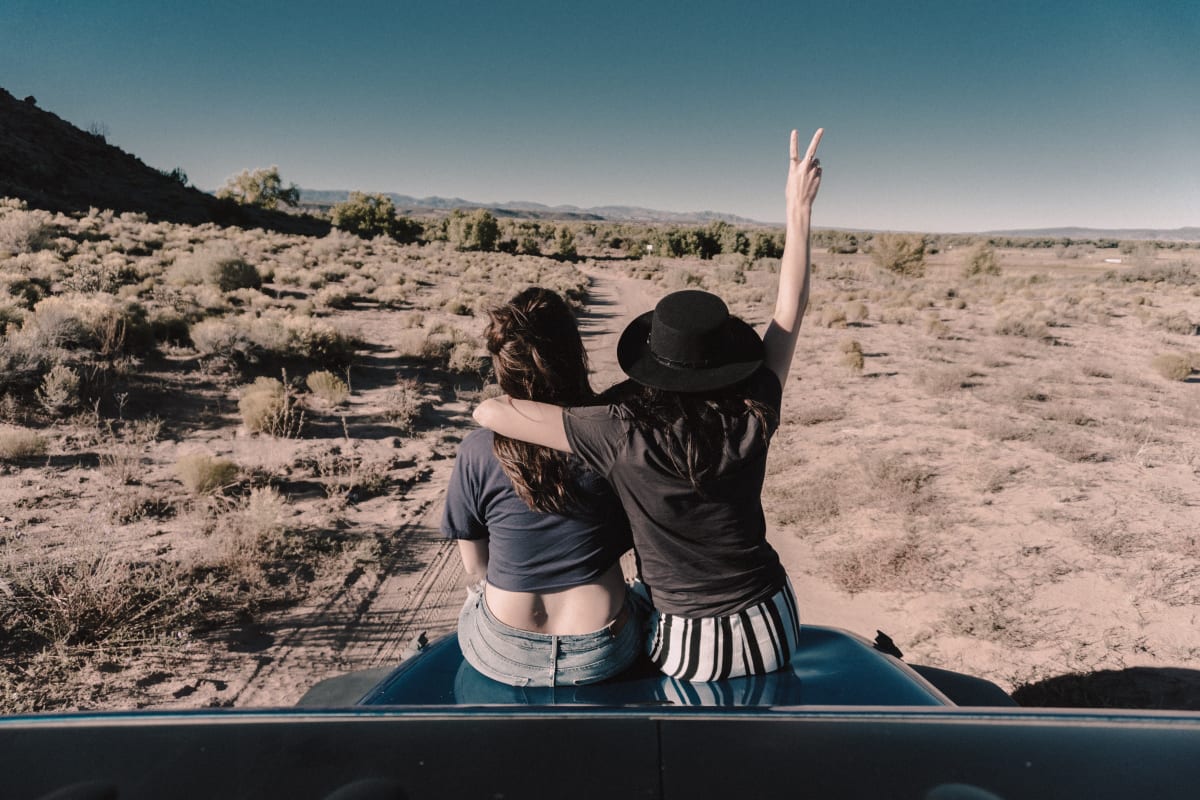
point(693, 427)
point(538, 354)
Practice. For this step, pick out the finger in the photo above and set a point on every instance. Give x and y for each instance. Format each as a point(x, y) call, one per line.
point(812, 146)
point(795, 145)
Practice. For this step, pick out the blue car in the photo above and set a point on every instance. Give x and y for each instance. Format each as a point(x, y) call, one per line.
point(845, 721)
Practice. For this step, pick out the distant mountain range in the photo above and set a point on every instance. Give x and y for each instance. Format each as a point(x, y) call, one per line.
point(406, 204)
point(1189, 234)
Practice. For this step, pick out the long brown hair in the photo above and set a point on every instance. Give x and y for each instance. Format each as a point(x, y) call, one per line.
point(538, 354)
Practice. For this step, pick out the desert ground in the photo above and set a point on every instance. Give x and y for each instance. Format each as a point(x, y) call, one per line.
point(1001, 471)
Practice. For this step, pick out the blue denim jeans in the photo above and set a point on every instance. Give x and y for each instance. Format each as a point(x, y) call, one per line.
point(525, 658)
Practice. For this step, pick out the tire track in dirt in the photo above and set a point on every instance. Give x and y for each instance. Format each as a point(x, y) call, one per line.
point(373, 616)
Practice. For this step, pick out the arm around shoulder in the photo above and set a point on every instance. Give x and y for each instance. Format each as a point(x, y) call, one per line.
point(524, 420)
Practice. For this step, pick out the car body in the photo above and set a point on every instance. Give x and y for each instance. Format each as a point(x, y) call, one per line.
point(845, 721)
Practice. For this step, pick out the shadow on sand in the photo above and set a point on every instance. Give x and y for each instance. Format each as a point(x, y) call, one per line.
point(1158, 688)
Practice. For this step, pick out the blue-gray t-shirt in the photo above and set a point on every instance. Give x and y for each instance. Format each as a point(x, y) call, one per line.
point(532, 551)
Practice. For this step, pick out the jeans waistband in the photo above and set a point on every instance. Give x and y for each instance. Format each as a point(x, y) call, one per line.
point(607, 632)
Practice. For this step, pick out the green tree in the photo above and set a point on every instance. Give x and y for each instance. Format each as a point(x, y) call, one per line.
point(475, 231)
point(765, 244)
point(260, 187)
point(370, 215)
point(564, 245)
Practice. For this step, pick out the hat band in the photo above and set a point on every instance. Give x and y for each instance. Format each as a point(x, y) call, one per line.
point(670, 362)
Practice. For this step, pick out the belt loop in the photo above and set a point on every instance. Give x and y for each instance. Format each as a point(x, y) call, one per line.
point(553, 660)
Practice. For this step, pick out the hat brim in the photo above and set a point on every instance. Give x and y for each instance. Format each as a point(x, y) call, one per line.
point(741, 355)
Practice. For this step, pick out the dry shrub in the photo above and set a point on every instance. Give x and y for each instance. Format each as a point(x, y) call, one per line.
point(23, 231)
point(97, 599)
point(935, 327)
point(892, 479)
point(1167, 579)
point(218, 266)
point(463, 358)
point(903, 254)
point(403, 403)
point(999, 615)
point(1025, 324)
point(59, 392)
point(249, 534)
point(1070, 446)
point(133, 506)
point(268, 406)
point(810, 502)
point(815, 415)
point(900, 563)
point(204, 474)
point(981, 260)
point(832, 317)
point(19, 443)
point(943, 380)
point(1172, 366)
point(334, 297)
point(327, 387)
point(1109, 537)
point(354, 476)
point(852, 356)
point(1179, 323)
point(856, 311)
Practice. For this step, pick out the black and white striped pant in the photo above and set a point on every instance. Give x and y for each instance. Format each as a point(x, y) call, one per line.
point(754, 641)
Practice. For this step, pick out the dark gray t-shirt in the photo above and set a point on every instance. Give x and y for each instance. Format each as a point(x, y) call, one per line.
point(701, 556)
point(531, 551)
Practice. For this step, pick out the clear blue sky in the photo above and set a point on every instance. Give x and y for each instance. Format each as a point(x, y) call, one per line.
point(940, 116)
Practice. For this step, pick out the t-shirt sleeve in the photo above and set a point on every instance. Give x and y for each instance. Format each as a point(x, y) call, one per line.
point(462, 517)
point(596, 435)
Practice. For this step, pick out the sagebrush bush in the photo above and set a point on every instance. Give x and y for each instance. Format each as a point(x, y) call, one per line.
point(268, 406)
point(220, 266)
point(1024, 324)
point(97, 599)
point(24, 231)
point(204, 474)
point(19, 443)
point(403, 403)
point(901, 253)
point(463, 358)
point(981, 260)
point(852, 355)
point(327, 387)
point(59, 392)
point(1172, 366)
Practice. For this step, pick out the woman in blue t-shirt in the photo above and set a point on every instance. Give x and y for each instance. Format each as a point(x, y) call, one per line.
point(540, 534)
point(684, 445)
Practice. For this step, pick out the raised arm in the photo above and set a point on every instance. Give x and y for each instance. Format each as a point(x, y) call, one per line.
point(791, 299)
point(524, 420)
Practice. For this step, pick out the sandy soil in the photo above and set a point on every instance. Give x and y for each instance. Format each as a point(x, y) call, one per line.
point(1017, 506)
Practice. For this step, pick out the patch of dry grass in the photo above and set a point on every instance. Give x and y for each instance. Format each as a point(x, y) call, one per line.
point(21, 443)
point(205, 474)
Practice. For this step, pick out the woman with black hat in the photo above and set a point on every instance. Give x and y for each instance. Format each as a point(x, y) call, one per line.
point(684, 445)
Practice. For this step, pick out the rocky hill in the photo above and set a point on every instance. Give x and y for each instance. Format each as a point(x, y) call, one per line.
point(53, 165)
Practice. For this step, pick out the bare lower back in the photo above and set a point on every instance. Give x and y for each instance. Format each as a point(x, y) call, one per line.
point(564, 612)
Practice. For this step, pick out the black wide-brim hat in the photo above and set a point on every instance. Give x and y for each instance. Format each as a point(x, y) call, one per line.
point(689, 343)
